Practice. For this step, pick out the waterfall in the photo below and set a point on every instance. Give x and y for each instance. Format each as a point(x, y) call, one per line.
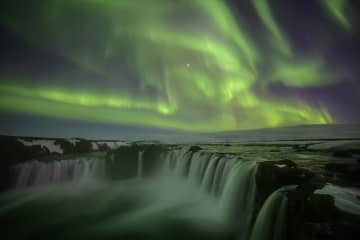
point(239, 193)
point(140, 164)
point(36, 173)
point(229, 178)
point(271, 221)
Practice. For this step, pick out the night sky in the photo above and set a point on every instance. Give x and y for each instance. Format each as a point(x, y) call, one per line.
point(184, 65)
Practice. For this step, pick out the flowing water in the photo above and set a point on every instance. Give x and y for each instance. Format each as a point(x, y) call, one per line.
point(271, 220)
point(140, 164)
point(37, 173)
point(194, 195)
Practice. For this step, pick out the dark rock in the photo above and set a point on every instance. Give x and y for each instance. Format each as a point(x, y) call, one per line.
point(286, 162)
point(327, 231)
point(195, 148)
point(122, 162)
point(83, 146)
point(103, 147)
point(340, 153)
point(300, 147)
point(14, 152)
point(80, 146)
point(320, 208)
point(296, 206)
point(65, 145)
point(315, 216)
point(274, 150)
point(152, 159)
point(270, 177)
point(322, 220)
point(349, 171)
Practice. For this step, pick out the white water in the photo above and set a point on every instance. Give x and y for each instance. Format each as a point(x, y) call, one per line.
point(270, 223)
point(37, 173)
point(227, 177)
point(140, 164)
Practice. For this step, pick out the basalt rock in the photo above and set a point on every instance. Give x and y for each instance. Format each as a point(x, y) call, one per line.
point(350, 171)
point(342, 153)
point(152, 159)
point(272, 175)
point(13, 152)
point(123, 163)
point(328, 231)
point(195, 148)
point(313, 216)
point(79, 146)
point(323, 220)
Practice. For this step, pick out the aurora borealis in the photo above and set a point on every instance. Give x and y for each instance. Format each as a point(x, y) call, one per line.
point(191, 65)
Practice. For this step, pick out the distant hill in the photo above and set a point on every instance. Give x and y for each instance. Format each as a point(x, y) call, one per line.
point(266, 135)
point(295, 133)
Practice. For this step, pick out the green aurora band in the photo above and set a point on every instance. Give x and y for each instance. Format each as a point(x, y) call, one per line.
point(199, 62)
point(337, 10)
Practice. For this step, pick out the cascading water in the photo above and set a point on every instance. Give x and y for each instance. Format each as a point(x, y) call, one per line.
point(205, 190)
point(227, 177)
point(36, 173)
point(140, 164)
point(271, 220)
